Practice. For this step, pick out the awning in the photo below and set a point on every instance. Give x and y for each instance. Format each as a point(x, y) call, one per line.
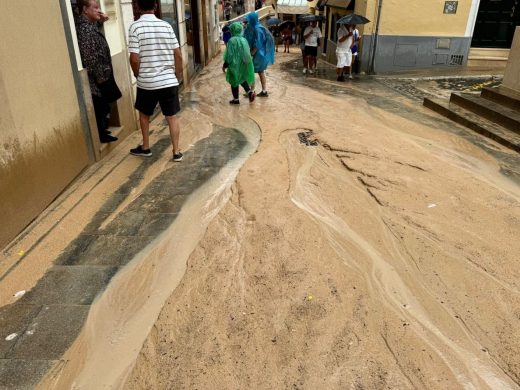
point(295, 7)
point(334, 3)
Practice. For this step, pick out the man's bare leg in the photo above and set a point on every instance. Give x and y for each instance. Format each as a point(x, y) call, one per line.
point(263, 80)
point(144, 121)
point(173, 124)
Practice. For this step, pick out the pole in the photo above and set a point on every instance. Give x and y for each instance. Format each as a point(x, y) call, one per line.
point(376, 35)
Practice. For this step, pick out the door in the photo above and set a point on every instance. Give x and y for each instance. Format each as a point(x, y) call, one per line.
point(192, 36)
point(496, 22)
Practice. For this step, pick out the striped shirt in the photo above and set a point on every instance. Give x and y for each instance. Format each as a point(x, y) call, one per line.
point(154, 40)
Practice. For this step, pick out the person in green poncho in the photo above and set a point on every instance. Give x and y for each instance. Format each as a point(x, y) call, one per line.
point(238, 64)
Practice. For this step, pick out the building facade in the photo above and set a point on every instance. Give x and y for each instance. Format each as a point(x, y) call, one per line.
point(404, 35)
point(48, 130)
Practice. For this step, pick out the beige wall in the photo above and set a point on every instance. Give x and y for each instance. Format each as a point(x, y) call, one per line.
point(41, 139)
point(416, 18)
point(512, 72)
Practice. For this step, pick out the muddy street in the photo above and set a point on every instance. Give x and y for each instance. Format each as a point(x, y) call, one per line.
point(357, 240)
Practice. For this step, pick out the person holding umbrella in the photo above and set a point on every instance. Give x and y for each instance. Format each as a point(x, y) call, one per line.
point(352, 20)
point(343, 50)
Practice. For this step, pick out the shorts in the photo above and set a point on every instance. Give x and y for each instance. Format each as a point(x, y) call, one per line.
point(344, 59)
point(311, 51)
point(168, 99)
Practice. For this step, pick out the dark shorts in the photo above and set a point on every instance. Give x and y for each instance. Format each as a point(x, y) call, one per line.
point(311, 51)
point(168, 99)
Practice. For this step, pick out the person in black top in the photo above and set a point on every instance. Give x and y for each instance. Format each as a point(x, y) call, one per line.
point(96, 59)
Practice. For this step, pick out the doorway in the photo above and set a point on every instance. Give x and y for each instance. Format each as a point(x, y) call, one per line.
point(496, 22)
point(191, 13)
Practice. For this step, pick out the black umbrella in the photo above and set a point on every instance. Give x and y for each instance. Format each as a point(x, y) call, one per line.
point(310, 18)
point(273, 22)
point(353, 19)
point(287, 23)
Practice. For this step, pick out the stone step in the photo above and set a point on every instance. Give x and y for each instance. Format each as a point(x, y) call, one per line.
point(491, 53)
point(481, 57)
point(475, 122)
point(502, 95)
point(490, 110)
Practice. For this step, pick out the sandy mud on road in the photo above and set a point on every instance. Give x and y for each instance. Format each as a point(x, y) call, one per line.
point(382, 255)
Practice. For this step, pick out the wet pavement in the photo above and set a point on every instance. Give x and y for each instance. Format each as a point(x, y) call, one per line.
point(41, 326)
point(404, 94)
point(37, 329)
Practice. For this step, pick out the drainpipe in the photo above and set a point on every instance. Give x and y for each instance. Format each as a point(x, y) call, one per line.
point(376, 34)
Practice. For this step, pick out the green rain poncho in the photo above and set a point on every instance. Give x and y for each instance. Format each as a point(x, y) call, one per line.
point(238, 58)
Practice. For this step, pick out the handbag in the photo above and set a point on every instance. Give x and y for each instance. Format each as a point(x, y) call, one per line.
point(109, 90)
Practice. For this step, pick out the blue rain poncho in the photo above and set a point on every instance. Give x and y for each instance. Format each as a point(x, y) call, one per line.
point(238, 58)
point(260, 38)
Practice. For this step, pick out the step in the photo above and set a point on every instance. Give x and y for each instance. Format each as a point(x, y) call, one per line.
point(495, 112)
point(475, 122)
point(483, 52)
point(502, 95)
point(495, 65)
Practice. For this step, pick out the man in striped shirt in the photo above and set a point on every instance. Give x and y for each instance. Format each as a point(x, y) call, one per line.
point(156, 61)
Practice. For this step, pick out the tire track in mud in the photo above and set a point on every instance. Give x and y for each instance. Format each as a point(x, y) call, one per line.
point(402, 297)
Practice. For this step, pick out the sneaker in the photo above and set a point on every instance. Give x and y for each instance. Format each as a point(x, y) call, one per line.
point(304, 70)
point(105, 139)
point(311, 71)
point(252, 96)
point(263, 94)
point(350, 77)
point(234, 101)
point(139, 151)
point(177, 156)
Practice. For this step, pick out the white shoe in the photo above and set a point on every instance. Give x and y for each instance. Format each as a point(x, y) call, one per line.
point(304, 70)
point(311, 71)
point(350, 77)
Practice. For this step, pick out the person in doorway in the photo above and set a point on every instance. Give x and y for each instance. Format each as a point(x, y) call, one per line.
point(96, 59)
point(311, 35)
point(261, 43)
point(287, 38)
point(238, 64)
point(343, 51)
point(156, 61)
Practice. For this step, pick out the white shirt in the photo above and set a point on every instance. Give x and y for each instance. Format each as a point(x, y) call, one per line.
point(344, 47)
point(154, 40)
point(312, 40)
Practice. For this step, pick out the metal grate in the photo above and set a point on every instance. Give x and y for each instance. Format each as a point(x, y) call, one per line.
point(456, 59)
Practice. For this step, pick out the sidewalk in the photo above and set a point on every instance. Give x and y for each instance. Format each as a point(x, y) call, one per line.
point(36, 328)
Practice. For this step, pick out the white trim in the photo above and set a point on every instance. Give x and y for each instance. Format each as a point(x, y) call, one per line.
point(472, 18)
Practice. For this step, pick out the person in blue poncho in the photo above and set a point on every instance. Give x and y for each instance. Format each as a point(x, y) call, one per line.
point(238, 64)
point(261, 43)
